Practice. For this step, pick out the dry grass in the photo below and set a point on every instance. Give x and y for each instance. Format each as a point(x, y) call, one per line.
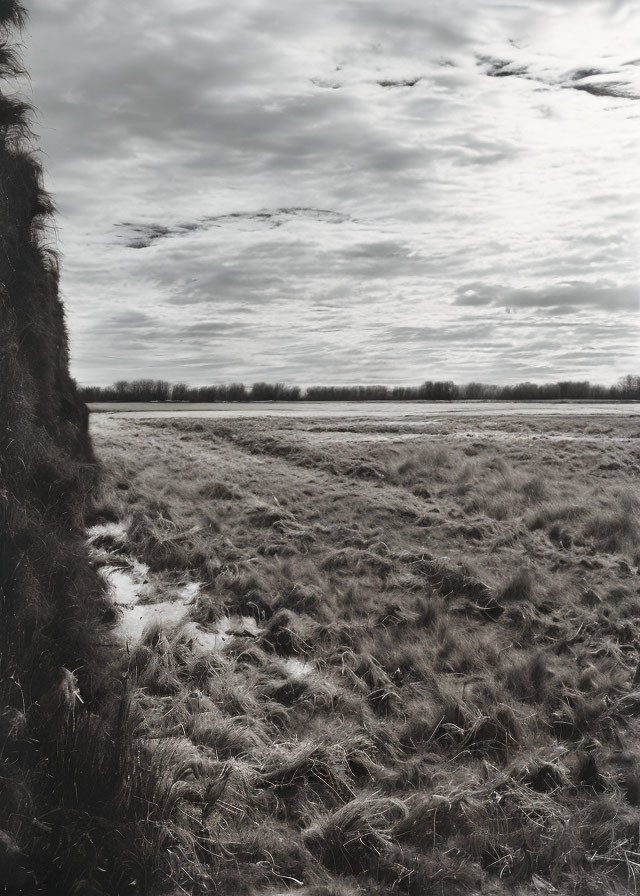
point(438, 692)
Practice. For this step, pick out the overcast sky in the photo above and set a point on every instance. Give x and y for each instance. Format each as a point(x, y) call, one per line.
point(348, 191)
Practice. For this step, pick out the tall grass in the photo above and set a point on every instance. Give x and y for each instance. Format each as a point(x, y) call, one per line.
point(430, 696)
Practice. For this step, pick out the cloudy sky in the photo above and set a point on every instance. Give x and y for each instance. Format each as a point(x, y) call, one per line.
point(349, 191)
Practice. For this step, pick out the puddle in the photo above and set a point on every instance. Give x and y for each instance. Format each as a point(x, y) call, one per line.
point(502, 436)
point(297, 668)
point(140, 612)
point(144, 600)
point(114, 530)
point(137, 618)
point(134, 594)
point(126, 582)
point(190, 590)
point(122, 585)
point(346, 436)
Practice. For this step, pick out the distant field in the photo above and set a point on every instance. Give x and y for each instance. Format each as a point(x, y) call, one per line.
point(371, 409)
point(384, 654)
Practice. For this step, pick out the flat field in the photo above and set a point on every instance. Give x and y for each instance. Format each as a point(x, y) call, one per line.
point(376, 656)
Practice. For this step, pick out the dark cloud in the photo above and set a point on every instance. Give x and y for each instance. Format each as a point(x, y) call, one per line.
point(569, 295)
point(581, 79)
point(501, 68)
point(141, 236)
point(277, 217)
point(616, 89)
point(405, 82)
point(581, 73)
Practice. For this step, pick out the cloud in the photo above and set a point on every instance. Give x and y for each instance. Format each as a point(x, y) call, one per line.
point(405, 82)
point(566, 296)
point(142, 236)
point(588, 80)
point(619, 89)
point(318, 193)
point(502, 68)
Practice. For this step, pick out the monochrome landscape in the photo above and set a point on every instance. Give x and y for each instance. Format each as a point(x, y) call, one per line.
point(269, 627)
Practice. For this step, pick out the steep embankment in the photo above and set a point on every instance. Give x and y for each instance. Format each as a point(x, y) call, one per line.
point(45, 448)
point(65, 755)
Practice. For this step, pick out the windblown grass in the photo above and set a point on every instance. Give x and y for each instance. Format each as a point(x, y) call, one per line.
point(439, 690)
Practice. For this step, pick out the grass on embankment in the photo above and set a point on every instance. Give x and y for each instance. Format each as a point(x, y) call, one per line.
point(442, 693)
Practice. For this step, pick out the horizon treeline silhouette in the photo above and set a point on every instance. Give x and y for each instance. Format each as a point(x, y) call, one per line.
point(626, 389)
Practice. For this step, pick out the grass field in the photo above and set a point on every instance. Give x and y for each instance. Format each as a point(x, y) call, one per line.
point(374, 657)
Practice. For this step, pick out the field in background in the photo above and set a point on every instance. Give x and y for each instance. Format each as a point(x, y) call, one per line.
point(401, 411)
point(377, 655)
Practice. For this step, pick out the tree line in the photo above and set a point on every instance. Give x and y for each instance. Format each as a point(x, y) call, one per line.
point(626, 389)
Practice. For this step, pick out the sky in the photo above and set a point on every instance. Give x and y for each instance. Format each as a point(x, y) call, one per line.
point(354, 191)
